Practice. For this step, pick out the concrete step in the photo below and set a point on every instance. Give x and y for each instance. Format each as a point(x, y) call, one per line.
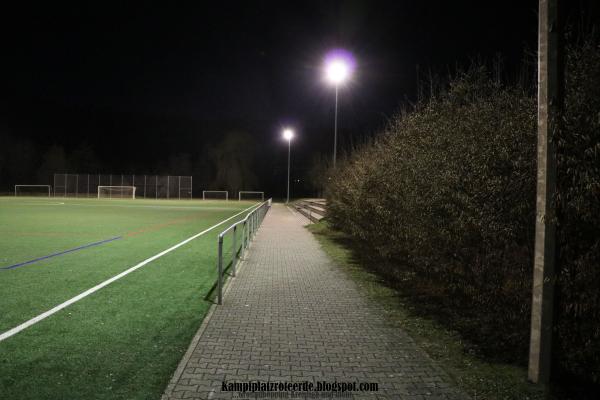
point(312, 208)
point(317, 202)
point(312, 216)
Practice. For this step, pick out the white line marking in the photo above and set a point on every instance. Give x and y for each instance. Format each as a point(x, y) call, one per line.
point(107, 282)
point(156, 207)
point(106, 203)
point(42, 204)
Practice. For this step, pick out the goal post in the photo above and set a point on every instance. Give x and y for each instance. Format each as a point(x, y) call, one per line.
point(33, 190)
point(118, 192)
point(215, 195)
point(251, 195)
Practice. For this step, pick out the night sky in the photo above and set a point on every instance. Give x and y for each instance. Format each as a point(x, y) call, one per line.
point(139, 83)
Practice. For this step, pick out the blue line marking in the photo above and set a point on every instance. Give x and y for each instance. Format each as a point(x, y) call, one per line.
point(62, 252)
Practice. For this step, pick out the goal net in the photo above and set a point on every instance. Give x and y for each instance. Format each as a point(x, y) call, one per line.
point(250, 195)
point(116, 192)
point(215, 195)
point(33, 190)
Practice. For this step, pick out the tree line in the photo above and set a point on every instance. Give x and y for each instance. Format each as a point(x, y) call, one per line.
point(229, 164)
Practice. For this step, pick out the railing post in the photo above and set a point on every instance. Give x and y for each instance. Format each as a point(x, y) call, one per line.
point(234, 252)
point(220, 271)
point(250, 225)
point(243, 239)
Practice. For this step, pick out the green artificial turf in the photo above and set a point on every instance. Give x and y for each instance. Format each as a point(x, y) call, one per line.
point(125, 340)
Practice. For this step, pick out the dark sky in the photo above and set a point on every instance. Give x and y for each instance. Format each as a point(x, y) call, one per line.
point(248, 59)
point(149, 80)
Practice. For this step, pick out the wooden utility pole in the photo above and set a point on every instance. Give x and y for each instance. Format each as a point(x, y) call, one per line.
point(550, 100)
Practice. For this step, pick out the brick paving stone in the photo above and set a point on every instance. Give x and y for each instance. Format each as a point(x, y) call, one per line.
point(292, 315)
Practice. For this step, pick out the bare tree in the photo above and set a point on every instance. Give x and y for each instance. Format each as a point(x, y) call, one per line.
point(233, 159)
point(318, 173)
point(54, 160)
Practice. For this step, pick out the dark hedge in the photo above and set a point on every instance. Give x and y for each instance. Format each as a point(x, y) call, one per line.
point(444, 199)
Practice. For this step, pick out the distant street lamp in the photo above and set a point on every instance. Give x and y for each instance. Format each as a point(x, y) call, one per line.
point(288, 134)
point(338, 68)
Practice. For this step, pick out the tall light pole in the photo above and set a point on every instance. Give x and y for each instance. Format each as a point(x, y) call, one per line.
point(550, 104)
point(338, 68)
point(335, 126)
point(288, 134)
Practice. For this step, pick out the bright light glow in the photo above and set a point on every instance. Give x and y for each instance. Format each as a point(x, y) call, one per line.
point(288, 134)
point(337, 72)
point(339, 65)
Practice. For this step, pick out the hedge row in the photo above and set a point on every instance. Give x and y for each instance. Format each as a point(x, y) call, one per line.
point(445, 198)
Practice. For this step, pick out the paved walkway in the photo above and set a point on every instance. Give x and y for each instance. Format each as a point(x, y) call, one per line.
point(291, 315)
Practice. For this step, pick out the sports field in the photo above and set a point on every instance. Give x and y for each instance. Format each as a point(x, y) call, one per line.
point(123, 340)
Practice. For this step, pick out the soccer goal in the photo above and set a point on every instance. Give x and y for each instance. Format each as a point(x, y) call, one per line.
point(117, 192)
point(215, 195)
point(33, 190)
point(250, 195)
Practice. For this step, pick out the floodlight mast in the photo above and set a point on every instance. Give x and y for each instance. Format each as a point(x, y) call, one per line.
point(335, 127)
point(337, 70)
point(288, 135)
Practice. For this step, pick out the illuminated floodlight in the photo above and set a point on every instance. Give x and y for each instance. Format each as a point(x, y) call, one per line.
point(338, 66)
point(337, 72)
point(288, 134)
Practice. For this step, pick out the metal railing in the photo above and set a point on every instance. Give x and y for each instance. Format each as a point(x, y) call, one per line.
point(249, 226)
